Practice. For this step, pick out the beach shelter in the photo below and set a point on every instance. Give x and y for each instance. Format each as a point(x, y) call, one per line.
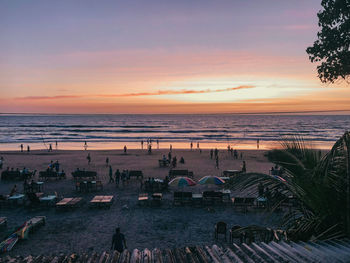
point(182, 181)
point(211, 180)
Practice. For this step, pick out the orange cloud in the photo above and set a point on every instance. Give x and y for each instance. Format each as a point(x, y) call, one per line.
point(137, 94)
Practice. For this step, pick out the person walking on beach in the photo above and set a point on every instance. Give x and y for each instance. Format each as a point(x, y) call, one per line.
point(211, 153)
point(217, 162)
point(88, 158)
point(141, 144)
point(85, 145)
point(28, 148)
point(111, 180)
point(50, 147)
point(191, 145)
point(244, 168)
point(216, 152)
point(118, 241)
point(197, 145)
point(21, 147)
point(157, 144)
point(125, 149)
point(117, 177)
point(257, 143)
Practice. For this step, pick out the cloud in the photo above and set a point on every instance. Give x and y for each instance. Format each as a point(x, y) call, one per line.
point(136, 94)
point(177, 92)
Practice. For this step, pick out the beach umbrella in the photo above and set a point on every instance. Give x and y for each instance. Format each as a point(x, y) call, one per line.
point(182, 181)
point(211, 180)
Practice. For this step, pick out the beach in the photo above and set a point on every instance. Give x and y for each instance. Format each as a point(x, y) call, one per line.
point(87, 229)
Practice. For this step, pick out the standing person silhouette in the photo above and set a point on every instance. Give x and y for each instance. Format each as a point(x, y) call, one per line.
point(85, 145)
point(191, 145)
point(21, 147)
point(257, 143)
point(118, 241)
point(88, 158)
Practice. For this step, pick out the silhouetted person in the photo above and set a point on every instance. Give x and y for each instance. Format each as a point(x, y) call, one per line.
point(125, 149)
point(182, 160)
point(88, 158)
point(142, 144)
point(28, 148)
point(191, 145)
point(111, 180)
point(56, 145)
point(21, 147)
point(85, 145)
point(211, 153)
point(157, 144)
point(244, 168)
point(149, 149)
point(217, 162)
point(169, 157)
point(216, 152)
point(50, 147)
point(107, 161)
point(117, 177)
point(118, 241)
point(257, 143)
point(171, 148)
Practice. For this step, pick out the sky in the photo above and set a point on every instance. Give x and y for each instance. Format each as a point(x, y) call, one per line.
point(223, 56)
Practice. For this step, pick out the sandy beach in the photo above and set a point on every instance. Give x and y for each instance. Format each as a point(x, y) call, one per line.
point(90, 229)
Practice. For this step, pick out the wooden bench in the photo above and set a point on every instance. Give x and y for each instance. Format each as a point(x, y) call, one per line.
point(100, 201)
point(84, 174)
point(69, 203)
point(45, 175)
point(163, 163)
point(135, 173)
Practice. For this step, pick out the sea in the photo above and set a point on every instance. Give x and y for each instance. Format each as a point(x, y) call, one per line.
point(204, 130)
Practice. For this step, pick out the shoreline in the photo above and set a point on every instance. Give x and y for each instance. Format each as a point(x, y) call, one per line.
point(163, 145)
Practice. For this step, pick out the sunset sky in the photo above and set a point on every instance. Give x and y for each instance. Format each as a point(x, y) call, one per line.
point(161, 57)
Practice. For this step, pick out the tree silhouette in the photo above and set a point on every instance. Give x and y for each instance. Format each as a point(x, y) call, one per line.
point(332, 48)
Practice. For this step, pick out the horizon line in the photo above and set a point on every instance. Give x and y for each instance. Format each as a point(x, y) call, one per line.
point(234, 113)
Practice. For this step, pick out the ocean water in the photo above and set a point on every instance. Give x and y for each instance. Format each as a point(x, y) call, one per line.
point(219, 130)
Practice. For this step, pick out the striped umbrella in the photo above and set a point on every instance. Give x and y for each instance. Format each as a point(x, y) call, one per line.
point(211, 180)
point(182, 181)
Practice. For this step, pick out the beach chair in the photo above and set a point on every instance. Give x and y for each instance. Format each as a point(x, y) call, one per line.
point(235, 233)
point(75, 202)
point(100, 201)
point(186, 198)
point(63, 204)
point(177, 198)
point(143, 199)
point(220, 228)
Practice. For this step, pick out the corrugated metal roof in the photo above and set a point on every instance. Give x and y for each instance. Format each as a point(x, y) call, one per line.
point(320, 251)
